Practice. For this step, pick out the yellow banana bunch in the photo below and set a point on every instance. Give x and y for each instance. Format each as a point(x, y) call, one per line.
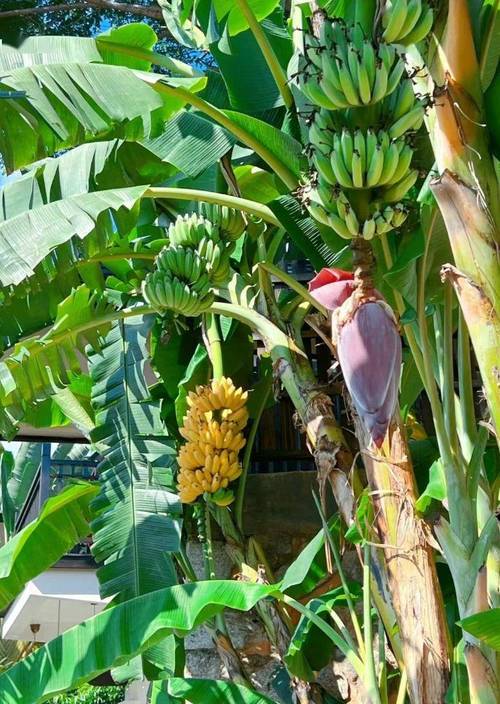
point(213, 427)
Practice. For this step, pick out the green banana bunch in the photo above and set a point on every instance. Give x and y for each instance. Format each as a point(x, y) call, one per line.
point(164, 292)
point(230, 222)
point(190, 230)
point(389, 218)
point(332, 208)
point(187, 265)
point(342, 69)
point(364, 160)
point(406, 21)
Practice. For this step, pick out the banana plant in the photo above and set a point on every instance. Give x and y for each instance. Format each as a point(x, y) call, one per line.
point(152, 215)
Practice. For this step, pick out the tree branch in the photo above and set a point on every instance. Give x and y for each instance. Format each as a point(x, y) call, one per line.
point(133, 9)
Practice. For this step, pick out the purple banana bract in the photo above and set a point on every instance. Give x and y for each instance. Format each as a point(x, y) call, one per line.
point(368, 348)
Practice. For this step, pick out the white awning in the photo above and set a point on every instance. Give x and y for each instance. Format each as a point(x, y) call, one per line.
point(53, 602)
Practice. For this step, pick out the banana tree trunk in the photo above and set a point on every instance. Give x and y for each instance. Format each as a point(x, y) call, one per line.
point(404, 540)
point(467, 193)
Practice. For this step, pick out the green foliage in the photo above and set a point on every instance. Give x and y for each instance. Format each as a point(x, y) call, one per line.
point(485, 626)
point(75, 216)
point(36, 368)
point(204, 691)
point(86, 694)
point(64, 519)
point(138, 522)
point(118, 633)
point(310, 648)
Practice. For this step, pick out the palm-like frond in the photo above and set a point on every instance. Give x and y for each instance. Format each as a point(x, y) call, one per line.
point(139, 521)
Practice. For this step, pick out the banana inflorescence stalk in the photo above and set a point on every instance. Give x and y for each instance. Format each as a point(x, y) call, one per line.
point(196, 260)
point(363, 116)
point(213, 428)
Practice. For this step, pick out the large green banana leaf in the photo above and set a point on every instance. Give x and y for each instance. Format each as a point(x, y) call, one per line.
point(128, 45)
point(139, 521)
point(66, 104)
point(199, 691)
point(64, 519)
point(119, 633)
point(26, 239)
point(37, 367)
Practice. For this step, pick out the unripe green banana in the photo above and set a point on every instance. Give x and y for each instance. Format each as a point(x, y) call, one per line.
point(314, 92)
point(357, 170)
point(330, 73)
point(371, 144)
point(313, 49)
point(391, 160)
point(369, 229)
point(339, 167)
point(379, 90)
point(319, 213)
point(400, 189)
point(400, 215)
point(352, 222)
point(324, 167)
point(375, 168)
point(360, 147)
point(369, 62)
point(347, 83)
point(406, 21)
point(393, 19)
point(404, 161)
point(422, 29)
point(382, 225)
point(401, 101)
point(412, 16)
point(395, 76)
point(365, 86)
point(347, 145)
point(336, 97)
point(411, 121)
point(339, 226)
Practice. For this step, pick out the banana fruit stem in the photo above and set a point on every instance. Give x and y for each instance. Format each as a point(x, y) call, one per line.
point(213, 344)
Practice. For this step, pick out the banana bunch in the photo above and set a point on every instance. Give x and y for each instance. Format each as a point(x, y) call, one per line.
point(364, 160)
point(332, 208)
point(166, 292)
point(229, 221)
point(406, 21)
point(342, 69)
point(187, 265)
point(189, 230)
point(213, 427)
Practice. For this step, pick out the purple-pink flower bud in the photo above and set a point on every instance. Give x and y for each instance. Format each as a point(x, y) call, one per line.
point(368, 348)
